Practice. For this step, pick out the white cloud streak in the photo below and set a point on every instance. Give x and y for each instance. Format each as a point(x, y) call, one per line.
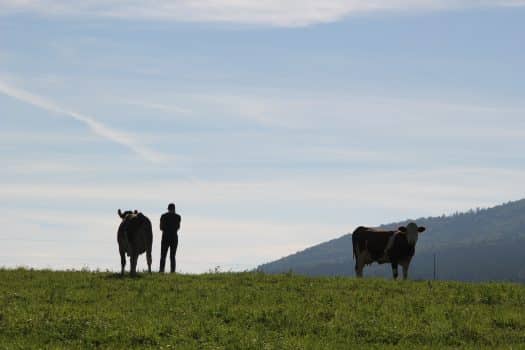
point(169, 108)
point(346, 111)
point(95, 126)
point(282, 13)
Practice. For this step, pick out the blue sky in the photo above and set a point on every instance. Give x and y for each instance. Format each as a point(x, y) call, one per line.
point(272, 125)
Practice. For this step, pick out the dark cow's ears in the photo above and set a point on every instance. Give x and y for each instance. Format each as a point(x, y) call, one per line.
point(120, 213)
point(421, 229)
point(136, 211)
point(402, 229)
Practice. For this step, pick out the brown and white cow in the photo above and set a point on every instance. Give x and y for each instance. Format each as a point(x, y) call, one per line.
point(394, 247)
point(134, 237)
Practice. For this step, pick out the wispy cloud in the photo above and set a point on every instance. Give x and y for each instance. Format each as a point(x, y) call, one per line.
point(344, 111)
point(287, 13)
point(95, 126)
point(169, 108)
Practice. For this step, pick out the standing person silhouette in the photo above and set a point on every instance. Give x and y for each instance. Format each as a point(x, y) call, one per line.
point(169, 225)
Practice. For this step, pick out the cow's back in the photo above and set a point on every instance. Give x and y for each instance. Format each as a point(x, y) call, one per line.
point(372, 240)
point(135, 234)
point(140, 233)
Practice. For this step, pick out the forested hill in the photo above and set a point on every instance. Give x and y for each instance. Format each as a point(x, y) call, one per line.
point(481, 244)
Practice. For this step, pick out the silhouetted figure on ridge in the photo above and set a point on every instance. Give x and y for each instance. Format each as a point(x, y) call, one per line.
point(169, 225)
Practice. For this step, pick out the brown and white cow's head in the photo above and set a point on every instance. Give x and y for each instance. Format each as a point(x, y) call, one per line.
point(412, 232)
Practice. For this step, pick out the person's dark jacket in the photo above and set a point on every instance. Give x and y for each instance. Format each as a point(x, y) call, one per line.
point(169, 225)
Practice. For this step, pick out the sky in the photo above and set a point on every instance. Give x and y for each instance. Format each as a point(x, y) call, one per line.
point(273, 125)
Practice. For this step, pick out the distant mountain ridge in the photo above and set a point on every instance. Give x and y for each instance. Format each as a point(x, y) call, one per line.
point(478, 245)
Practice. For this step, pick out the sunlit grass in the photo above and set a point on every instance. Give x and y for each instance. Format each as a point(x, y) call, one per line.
point(44, 309)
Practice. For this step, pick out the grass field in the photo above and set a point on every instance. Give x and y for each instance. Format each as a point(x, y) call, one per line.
point(68, 310)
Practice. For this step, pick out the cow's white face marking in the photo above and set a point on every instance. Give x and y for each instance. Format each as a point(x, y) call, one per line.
point(412, 233)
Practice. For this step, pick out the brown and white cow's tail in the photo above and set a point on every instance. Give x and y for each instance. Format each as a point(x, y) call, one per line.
point(355, 244)
point(353, 248)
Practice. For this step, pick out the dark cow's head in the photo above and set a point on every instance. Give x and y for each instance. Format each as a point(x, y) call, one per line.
point(124, 215)
point(412, 232)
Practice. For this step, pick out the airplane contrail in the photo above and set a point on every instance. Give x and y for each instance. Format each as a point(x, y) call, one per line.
point(95, 126)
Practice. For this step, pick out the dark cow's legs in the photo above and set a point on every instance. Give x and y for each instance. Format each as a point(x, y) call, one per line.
point(148, 258)
point(133, 262)
point(133, 259)
point(122, 262)
point(394, 270)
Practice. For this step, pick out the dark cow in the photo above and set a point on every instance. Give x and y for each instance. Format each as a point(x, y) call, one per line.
point(134, 237)
point(394, 247)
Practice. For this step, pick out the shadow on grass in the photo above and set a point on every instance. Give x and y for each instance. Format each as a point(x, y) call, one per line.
point(118, 276)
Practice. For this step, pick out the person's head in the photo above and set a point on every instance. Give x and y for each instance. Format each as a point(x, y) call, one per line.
point(171, 207)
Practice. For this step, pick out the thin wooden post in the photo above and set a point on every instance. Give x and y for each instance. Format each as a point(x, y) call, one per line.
point(435, 267)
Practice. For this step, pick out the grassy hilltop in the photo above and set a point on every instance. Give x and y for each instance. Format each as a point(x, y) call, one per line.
point(68, 310)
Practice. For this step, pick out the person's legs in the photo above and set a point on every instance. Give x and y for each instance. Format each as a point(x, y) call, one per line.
point(164, 245)
point(173, 252)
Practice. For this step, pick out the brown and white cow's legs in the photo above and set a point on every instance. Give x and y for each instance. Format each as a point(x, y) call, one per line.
point(394, 270)
point(358, 267)
point(405, 265)
point(122, 262)
point(362, 259)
